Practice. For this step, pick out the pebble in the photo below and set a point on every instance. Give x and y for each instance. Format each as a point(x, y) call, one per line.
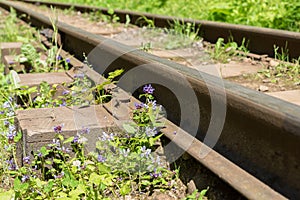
point(273, 63)
point(191, 187)
point(263, 88)
point(163, 196)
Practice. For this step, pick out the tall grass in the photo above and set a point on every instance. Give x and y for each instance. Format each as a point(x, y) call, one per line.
point(278, 14)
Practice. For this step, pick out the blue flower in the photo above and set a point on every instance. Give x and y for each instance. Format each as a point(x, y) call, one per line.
point(68, 60)
point(10, 136)
point(76, 139)
point(24, 178)
point(85, 130)
point(150, 132)
point(101, 158)
point(79, 75)
point(139, 105)
point(11, 164)
point(64, 103)
point(58, 128)
point(148, 89)
point(65, 92)
point(125, 152)
point(6, 104)
point(145, 152)
point(59, 175)
point(6, 123)
point(58, 57)
point(26, 160)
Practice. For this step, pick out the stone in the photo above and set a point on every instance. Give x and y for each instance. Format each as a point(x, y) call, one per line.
point(273, 63)
point(10, 48)
point(37, 126)
point(34, 79)
point(191, 187)
point(10, 62)
point(263, 88)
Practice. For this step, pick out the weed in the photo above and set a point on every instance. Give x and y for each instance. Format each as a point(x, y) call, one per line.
point(283, 70)
point(182, 29)
point(222, 51)
point(149, 23)
point(146, 47)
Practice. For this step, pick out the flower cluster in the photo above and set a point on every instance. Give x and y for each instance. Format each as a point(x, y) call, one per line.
point(148, 89)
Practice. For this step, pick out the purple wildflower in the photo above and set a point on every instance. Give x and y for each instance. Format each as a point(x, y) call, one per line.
point(24, 178)
point(12, 165)
point(101, 158)
point(10, 137)
point(59, 175)
point(139, 105)
point(64, 103)
point(26, 160)
point(150, 132)
point(68, 60)
point(6, 123)
point(85, 130)
point(153, 103)
point(76, 138)
point(58, 57)
point(106, 137)
point(65, 92)
point(125, 152)
point(79, 75)
point(56, 143)
point(148, 89)
point(145, 152)
point(58, 128)
point(2, 112)
point(6, 104)
point(155, 174)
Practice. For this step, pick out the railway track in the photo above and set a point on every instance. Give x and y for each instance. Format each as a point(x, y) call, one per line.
point(258, 146)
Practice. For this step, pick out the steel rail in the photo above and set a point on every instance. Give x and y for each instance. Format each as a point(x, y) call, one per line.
point(261, 133)
point(261, 40)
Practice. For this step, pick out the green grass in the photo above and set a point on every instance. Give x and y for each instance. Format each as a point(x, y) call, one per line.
point(278, 14)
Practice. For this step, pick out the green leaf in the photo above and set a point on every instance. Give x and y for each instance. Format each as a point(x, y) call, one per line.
point(18, 137)
point(129, 128)
point(70, 139)
point(48, 162)
point(95, 178)
point(44, 151)
point(17, 184)
point(73, 183)
point(60, 137)
point(48, 187)
point(78, 191)
point(146, 182)
point(125, 189)
point(7, 195)
point(103, 169)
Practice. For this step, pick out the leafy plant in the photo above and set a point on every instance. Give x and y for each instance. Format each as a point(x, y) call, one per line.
point(223, 51)
point(124, 163)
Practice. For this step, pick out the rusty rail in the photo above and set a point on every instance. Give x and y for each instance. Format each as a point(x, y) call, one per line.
point(261, 134)
point(261, 40)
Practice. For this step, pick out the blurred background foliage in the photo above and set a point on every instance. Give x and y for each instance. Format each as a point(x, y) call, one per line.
point(278, 14)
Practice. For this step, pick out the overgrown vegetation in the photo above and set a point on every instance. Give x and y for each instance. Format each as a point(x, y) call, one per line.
point(278, 14)
point(123, 163)
point(283, 68)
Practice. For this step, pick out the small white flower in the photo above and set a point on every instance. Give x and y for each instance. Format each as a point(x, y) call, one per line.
point(76, 163)
point(82, 140)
